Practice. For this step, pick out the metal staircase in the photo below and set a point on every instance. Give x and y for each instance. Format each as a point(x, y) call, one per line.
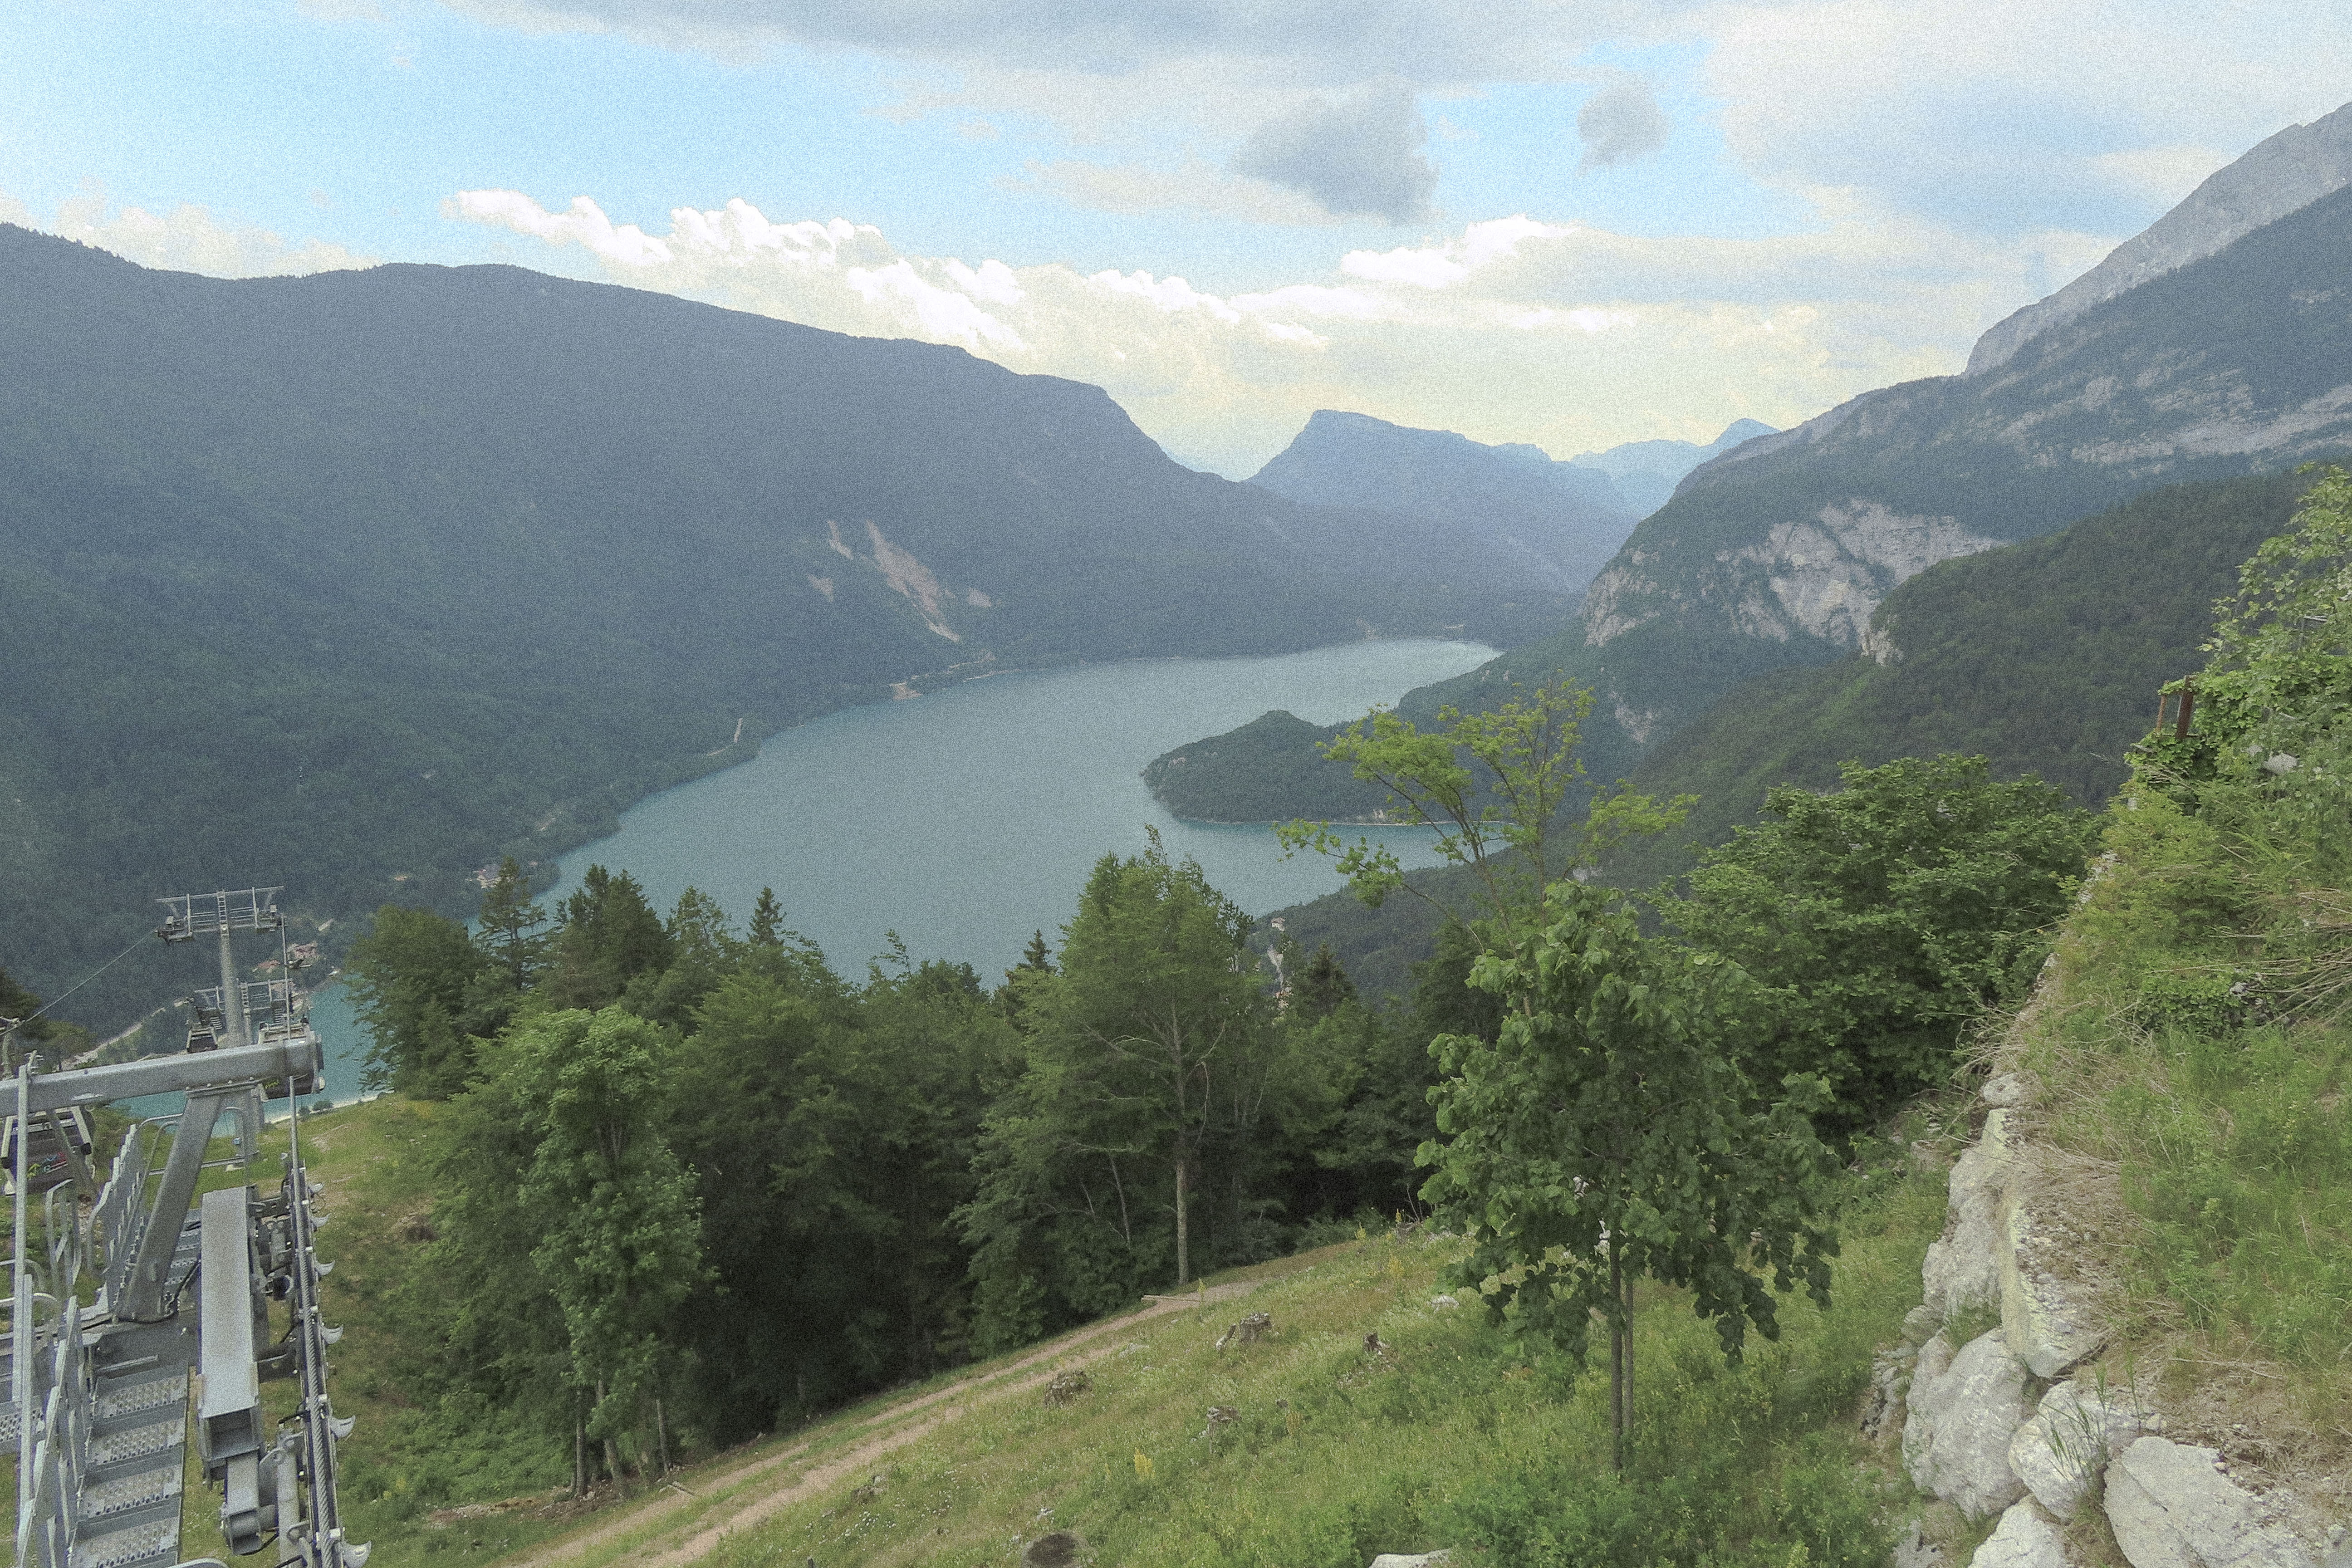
point(123, 1304)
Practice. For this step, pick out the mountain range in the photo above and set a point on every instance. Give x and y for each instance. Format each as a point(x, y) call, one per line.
point(361, 579)
point(358, 580)
point(1646, 472)
point(2217, 343)
point(1558, 522)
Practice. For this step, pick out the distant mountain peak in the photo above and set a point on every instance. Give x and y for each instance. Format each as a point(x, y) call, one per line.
point(2281, 174)
point(1558, 522)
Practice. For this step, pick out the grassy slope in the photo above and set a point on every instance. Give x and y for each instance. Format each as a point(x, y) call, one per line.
point(2202, 1158)
point(1449, 1435)
point(2200, 1154)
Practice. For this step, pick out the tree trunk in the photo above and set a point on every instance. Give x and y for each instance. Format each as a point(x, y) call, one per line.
point(1618, 1392)
point(612, 1449)
point(1183, 1236)
point(661, 1436)
point(1625, 1443)
point(579, 1454)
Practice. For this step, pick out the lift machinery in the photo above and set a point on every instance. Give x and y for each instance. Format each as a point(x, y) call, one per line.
point(145, 1310)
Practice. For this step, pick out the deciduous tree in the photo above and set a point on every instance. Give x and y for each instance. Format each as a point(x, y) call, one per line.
point(1605, 1136)
point(619, 1243)
point(1494, 786)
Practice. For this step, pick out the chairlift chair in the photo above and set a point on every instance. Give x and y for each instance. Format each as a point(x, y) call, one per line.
point(58, 1137)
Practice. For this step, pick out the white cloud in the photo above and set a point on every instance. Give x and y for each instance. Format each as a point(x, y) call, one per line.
point(1169, 294)
point(1451, 261)
point(2008, 115)
point(1510, 330)
point(188, 238)
point(942, 315)
point(2001, 116)
point(1335, 42)
point(992, 281)
point(583, 223)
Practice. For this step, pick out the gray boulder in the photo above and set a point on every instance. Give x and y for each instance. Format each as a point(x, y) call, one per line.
point(2172, 1506)
point(1963, 1269)
point(2060, 1453)
point(2025, 1537)
point(1397, 1560)
point(2007, 1090)
point(2050, 1324)
point(1960, 1419)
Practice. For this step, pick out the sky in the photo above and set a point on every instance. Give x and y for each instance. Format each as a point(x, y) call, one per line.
point(1572, 223)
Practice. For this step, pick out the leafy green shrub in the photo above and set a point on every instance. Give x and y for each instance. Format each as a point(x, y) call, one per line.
point(2192, 1002)
point(1885, 917)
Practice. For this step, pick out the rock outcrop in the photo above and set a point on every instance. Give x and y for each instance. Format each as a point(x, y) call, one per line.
point(2060, 1453)
point(1980, 1431)
point(2025, 1537)
point(2171, 1505)
point(1963, 1269)
point(1961, 1413)
point(2050, 1326)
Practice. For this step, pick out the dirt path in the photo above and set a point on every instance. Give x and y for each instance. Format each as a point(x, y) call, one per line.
point(951, 1403)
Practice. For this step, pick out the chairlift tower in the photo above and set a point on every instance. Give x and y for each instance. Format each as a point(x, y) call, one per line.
point(123, 1291)
point(223, 914)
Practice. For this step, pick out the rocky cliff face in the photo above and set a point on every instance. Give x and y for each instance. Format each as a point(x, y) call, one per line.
point(2284, 174)
point(1819, 576)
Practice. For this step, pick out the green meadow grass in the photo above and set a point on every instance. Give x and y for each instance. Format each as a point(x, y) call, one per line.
point(1450, 1436)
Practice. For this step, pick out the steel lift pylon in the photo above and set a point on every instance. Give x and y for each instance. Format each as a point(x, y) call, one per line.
point(129, 1298)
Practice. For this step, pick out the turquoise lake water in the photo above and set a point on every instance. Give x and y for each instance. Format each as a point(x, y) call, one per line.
point(966, 819)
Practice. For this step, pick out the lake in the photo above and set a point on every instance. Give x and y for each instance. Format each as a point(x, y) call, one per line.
point(968, 818)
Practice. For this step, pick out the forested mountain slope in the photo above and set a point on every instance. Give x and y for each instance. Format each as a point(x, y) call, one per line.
point(2044, 657)
point(350, 582)
point(1777, 554)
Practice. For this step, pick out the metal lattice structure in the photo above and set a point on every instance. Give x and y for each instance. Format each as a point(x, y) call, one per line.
point(127, 1297)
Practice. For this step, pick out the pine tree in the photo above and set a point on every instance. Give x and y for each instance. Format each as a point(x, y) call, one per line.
point(1323, 986)
point(768, 919)
point(513, 929)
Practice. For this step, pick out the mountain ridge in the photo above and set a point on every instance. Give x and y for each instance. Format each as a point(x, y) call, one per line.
point(1778, 553)
point(2283, 174)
